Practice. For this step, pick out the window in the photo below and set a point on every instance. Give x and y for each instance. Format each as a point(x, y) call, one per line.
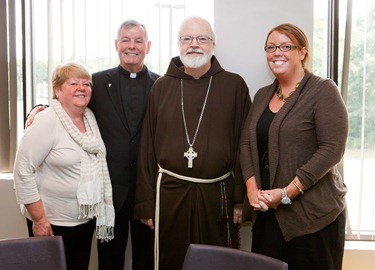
point(42, 33)
point(356, 79)
point(85, 31)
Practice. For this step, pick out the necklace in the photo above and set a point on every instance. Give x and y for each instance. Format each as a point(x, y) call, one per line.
point(280, 94)
point(190, 154)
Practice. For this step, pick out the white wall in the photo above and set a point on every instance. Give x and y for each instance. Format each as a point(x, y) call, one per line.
point(12, 224)
point(242, 26)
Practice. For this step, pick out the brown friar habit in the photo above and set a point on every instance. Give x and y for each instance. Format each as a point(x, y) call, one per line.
point(192, 212)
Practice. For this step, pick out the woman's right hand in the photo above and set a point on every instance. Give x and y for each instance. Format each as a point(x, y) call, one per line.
point(254, 195)
point(41, 225)
point(42, 228)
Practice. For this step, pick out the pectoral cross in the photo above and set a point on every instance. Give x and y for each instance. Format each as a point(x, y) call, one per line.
point(190, 155)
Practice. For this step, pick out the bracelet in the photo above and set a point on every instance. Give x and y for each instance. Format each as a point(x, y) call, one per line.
point(299, 189)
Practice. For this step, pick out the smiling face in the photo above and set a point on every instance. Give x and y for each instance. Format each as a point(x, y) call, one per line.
point(284, 63)
point(71, 84)
point(132, 47)
point(74, 93)
point(196, 55)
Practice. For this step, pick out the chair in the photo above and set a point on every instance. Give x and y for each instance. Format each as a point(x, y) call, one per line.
point(209, 257)
point(42, 253)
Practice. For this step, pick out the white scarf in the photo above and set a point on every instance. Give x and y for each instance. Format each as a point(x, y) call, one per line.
point(94, 191)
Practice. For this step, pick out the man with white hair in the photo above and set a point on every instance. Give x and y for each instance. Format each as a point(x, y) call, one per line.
point(189, 186)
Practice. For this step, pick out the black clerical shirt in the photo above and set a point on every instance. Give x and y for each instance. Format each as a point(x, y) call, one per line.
point(134, 97)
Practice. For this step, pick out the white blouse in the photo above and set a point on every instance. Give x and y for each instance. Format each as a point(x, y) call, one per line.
point(47, 167)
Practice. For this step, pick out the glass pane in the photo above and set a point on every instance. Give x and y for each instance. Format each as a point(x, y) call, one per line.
point(320, 38)
point(359, 158)
point(360, 155)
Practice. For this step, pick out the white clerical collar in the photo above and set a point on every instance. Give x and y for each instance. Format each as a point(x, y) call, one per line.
point(133, 75)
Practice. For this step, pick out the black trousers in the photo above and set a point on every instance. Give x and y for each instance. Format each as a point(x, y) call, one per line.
point(77, 243)
point(321, 250)
point(112, 254)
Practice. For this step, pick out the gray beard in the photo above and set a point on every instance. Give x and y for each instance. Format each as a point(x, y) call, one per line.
point(195, 61)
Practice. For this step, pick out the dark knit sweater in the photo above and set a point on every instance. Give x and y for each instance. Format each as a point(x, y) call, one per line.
point(306, 139)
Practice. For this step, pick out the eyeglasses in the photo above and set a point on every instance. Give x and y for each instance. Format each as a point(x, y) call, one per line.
point(200, 39)
point(283, 48)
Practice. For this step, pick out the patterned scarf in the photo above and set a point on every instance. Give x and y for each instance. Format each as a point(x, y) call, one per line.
point(94, 192)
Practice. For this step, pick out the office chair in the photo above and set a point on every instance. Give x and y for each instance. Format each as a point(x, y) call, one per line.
point(41, 253)
point(209, 257)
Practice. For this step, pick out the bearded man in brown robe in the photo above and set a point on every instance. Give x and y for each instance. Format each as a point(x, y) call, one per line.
point(189, 185)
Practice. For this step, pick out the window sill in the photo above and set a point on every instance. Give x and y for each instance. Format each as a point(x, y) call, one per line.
point(360, 245)
point(6, 176)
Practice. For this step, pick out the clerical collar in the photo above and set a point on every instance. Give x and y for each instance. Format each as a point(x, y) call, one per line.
point(132, 75)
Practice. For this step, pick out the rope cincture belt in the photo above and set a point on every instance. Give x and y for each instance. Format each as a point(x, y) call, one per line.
point(157, 206)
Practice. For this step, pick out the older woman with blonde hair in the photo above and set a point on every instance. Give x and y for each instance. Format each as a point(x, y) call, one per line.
point(60, 173)
point(294, 137)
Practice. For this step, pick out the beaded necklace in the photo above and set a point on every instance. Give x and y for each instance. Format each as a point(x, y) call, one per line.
point(280, 94)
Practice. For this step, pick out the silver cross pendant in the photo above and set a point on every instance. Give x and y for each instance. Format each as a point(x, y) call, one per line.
point(190, 155)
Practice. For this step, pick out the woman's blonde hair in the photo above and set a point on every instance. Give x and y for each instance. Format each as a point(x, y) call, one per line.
point(65, 71)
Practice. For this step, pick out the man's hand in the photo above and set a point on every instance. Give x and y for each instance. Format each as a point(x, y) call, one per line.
point(237, 213)
point(32, 113)
point(149, 223)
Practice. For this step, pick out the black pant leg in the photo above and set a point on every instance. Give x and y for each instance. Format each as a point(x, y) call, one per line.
point(111, 254)
point(142, 246)
point(321, 250)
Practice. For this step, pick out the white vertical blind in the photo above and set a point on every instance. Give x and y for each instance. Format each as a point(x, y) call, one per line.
point(85, 32)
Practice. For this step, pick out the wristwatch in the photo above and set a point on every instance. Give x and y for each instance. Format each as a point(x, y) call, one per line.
point(284, 197)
